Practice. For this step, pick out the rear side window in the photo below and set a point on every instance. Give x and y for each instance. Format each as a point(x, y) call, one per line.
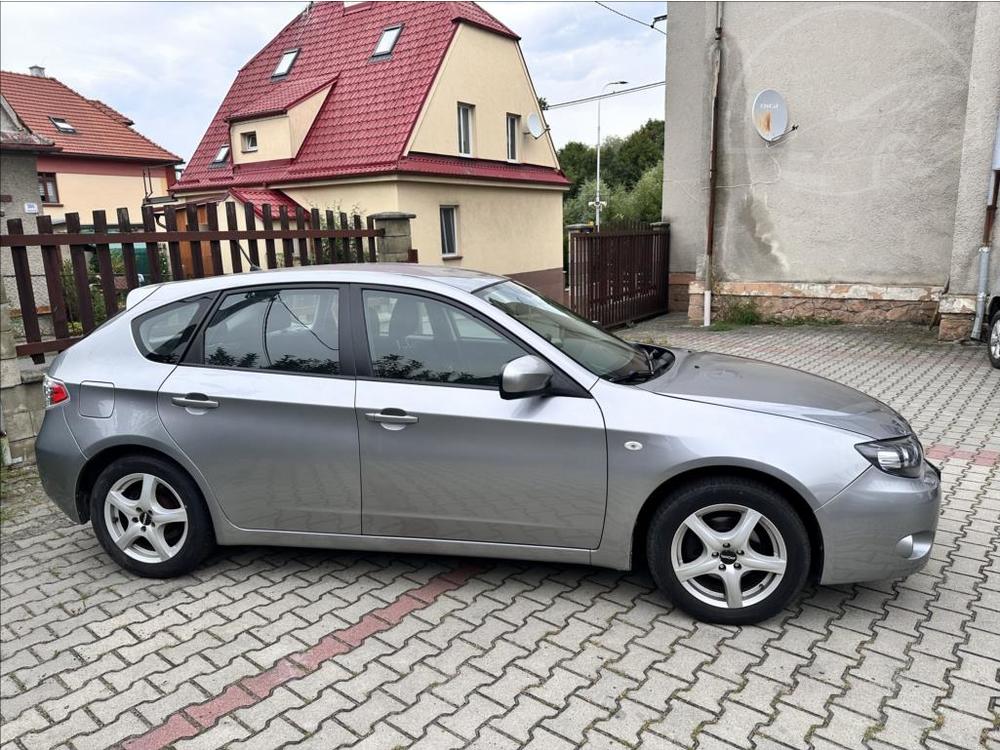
point(289, 330)
point(163, 334)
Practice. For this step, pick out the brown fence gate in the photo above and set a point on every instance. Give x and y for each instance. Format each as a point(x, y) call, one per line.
point(619, 274)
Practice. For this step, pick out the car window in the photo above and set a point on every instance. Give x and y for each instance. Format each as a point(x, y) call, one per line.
point(290, 330)
point(421, 339)
point(163, 334)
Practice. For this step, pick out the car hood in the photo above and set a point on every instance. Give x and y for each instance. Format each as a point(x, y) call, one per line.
point(772, 389)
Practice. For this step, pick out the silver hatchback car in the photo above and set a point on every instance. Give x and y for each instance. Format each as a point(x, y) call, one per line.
point(434, 410)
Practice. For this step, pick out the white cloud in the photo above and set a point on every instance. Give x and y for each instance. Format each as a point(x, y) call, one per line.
point(167, 65)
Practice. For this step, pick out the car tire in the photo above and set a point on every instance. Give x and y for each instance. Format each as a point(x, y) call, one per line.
point(993, 340)
point(150, 517)
point(729, 550)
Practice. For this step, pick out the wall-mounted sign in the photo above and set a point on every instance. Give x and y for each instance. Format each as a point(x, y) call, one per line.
point(770, 115)
point(31, 208)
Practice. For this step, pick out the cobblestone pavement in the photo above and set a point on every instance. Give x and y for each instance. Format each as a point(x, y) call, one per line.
point(266, 648)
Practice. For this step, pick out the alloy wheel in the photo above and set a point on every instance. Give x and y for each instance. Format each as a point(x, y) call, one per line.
point(728, 556)
point(145, 517)
point(995, 340)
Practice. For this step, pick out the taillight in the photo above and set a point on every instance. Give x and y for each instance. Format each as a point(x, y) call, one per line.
point(55, 391)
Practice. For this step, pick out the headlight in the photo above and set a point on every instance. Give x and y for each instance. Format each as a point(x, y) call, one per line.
point(900, 456)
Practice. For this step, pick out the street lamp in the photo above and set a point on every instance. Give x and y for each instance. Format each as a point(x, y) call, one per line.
point(597, 204)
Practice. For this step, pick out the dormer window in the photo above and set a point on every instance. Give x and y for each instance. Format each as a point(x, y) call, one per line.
point(62, 125)
point(249, 141)
point(285, 64)
point(221, 155)
point(387, 42)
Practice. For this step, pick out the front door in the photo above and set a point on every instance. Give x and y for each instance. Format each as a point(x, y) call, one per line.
point(443, 456)
point(262, 407)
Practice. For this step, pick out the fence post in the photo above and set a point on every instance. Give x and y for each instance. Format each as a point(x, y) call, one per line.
point(21, 398)
point(396, 245)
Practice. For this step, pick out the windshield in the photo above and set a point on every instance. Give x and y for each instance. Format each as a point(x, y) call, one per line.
point(603, 354)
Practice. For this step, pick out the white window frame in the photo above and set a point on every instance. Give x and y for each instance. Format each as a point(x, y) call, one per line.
point(466, 125)
point(221, 155)
point(245, 138)
point(390, 42)
point(282, 69)
point(62, 124)
point(513, 123)
point(455, 251)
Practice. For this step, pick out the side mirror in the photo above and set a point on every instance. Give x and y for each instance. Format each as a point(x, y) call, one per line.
point(525, 376)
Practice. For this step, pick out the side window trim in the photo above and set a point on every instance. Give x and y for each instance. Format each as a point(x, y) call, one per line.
point(362, 351)
point(194, 355)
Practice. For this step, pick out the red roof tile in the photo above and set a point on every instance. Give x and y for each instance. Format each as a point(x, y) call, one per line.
point(484, 169)
point(111, 112)
point(257, 198)
point(366, 121)
point(100, 130)
point(281, 98)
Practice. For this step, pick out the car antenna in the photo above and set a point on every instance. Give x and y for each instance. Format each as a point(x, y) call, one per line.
point(253, 266)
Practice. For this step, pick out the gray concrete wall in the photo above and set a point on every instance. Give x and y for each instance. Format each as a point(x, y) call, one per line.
point(19, 180)
point(864, 190)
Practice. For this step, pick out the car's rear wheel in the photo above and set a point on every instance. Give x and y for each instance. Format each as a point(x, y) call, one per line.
point(728, 550)
point(150, 517)
point(994, 339)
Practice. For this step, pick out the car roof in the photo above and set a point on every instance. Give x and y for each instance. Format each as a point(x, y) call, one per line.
point(463, 279)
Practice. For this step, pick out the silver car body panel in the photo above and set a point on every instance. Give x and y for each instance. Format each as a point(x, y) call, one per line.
point(554, 504)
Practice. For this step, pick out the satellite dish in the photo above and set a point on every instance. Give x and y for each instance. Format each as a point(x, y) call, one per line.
point(770, 115)
point(535, 126)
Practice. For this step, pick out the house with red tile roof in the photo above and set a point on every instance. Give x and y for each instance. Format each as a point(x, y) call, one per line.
point(397, 106)
point(98, 160)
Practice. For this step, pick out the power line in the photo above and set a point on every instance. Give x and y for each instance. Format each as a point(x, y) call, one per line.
point(630, 18)
point(620, 92)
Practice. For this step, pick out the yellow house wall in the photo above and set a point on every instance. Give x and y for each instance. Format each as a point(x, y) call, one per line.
point(361, 198)
point(500, 229)
point(487, 71)
point(302, 115)
point(84, 193)
point(279, 136)
point(273, 140)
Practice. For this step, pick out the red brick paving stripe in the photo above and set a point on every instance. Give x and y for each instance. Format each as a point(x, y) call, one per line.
point(195, 717)
point(981, 457)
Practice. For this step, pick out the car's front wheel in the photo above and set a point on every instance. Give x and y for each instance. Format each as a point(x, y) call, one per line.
point(150, 517)
point(728, 550)
point(994, 340)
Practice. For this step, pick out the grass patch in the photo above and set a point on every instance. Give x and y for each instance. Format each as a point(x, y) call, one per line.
point(740, 312)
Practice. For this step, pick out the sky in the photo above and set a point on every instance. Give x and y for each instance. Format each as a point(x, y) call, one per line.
point(168, 65)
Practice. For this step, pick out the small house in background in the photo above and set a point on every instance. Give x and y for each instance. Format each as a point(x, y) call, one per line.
point(421, 108)
point(99, 160)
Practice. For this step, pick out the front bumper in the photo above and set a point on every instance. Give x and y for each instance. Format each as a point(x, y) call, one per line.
point(60, 462)
point(880, 526)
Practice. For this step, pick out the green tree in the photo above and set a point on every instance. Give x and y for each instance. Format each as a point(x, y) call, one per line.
point(646, 198)
point(628, 158)
point(578, 162)
point(576, 210)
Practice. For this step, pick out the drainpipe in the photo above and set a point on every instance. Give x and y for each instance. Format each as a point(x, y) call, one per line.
point(984, 250)
point(713, 160)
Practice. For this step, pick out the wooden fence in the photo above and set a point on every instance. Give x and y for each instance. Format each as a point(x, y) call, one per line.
point(80, 298)
point(619, 274)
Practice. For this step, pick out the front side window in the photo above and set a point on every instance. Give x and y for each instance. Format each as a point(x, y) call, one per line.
point(285, 64)
point(288, 330)
point(48, 191)
point(603, 354)
point(513, 136)
point(249, 140)
point(449, 230)
point(163, 334)
point(465, 129)
point(420, 339)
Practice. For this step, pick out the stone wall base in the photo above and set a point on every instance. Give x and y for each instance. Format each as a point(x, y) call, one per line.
point(955, 326)
point(846, 303)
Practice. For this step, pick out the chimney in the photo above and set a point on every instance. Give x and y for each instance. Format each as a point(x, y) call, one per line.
point(37, 71)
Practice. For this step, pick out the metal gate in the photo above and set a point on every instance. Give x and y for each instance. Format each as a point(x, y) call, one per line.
point(619, 274)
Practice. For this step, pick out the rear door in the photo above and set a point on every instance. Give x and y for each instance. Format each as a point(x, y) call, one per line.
point(263, 404)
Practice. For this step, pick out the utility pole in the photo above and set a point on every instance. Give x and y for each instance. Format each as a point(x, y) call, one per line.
point(597, 204)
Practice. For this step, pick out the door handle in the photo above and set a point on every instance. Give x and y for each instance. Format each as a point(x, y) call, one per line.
point(195, 401)
point(396, 416)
